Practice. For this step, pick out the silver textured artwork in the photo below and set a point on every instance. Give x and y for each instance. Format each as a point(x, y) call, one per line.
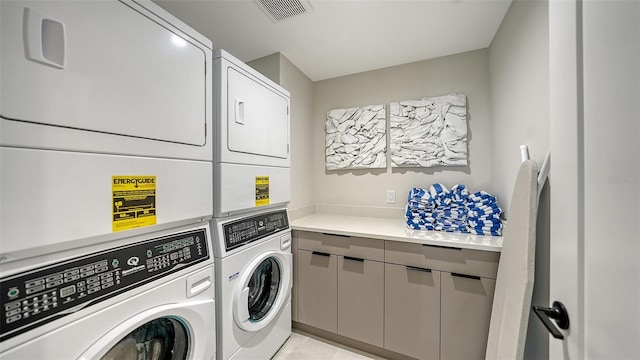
point(356, 138)
point(429, 132)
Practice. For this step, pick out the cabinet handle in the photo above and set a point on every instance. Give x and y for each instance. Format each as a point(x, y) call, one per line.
point(339, 235)
point(417, 268)
point(466, 276)
point(353, 258)
point(443, 247)
point(320, 253)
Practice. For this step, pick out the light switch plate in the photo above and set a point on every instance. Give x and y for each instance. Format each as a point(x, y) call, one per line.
point(391, 196)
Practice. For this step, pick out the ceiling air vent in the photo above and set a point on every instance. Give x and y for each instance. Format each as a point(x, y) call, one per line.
point(282, 9)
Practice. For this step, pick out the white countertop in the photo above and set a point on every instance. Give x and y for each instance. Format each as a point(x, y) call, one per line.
point(393, 229)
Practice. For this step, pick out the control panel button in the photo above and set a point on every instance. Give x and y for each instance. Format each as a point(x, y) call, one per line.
point(12, 305)
point(54, 283)
point(14, 318)
point(13, 292)
point(34, 290)
point(13, 312)
point(55, 277)
point(32, 283)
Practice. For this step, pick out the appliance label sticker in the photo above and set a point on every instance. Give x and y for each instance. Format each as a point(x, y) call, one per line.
point(134, 202)
point(262, 190)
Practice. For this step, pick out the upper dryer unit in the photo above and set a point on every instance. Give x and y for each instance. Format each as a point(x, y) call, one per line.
point(106, 124)
point(117, 77)
point(252, 156)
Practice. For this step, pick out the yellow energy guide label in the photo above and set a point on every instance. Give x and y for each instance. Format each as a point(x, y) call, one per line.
point(134, 201)
point(262, 190)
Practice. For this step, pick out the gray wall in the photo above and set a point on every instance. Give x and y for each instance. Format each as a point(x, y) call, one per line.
point(519, 73)
point(466, 73)
point(269, 66)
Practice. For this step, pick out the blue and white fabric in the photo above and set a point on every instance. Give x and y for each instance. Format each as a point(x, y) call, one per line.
point(453, 210)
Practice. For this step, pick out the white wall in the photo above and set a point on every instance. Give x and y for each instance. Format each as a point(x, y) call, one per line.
point(519, 73)
point(466, 73)
point(519, 69)
point(610, 155)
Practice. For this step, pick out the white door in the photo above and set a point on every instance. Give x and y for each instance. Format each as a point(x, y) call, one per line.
point(595, 181)
point(257, 117)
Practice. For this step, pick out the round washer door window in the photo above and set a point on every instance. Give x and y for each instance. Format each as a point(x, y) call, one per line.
point(264, 287)
point(159, 339)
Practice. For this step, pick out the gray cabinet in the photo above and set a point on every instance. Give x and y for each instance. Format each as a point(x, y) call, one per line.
point(341, 285)
point(412, 311)
point(465, 315)
point(361, 299)
point(426, 302)
point(318, 290)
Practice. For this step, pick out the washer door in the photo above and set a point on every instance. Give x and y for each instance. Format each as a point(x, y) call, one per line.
point(174, 331)
point(264, 287)
point(164, 338)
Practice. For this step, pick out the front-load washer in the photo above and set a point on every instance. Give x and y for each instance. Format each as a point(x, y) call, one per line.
point(105, 124)
point(253, 284)
point(252, 155)
point(152, 299)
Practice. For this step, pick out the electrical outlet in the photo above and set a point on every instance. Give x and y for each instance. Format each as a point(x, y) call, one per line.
point(391, 196)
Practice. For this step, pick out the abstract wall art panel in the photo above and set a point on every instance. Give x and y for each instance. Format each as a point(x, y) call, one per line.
point(429, 132)
point(356, 138)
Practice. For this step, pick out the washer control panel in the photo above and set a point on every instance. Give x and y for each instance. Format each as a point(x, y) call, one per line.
point(42, 295)
point(250, 229)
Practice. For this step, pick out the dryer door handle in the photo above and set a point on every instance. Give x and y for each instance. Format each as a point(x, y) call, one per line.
point(239, 114)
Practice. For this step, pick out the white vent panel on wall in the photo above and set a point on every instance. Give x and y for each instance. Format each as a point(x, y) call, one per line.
point(278, 10)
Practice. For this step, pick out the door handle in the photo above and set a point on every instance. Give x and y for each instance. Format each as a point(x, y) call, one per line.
point(559, 315)
point(44, 39)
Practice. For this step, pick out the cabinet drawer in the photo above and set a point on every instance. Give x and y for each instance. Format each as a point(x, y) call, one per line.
point(465, 261)
point(371, 249)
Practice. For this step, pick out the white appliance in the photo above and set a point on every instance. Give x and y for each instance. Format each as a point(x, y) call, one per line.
point(127, 300)
point(253, 284)
point(105, 124)
point(252, 160)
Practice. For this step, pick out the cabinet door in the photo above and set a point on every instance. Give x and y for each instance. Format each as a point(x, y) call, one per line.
point(466, 312)
point(317, 290)
point(361, 299)
point(412, 311)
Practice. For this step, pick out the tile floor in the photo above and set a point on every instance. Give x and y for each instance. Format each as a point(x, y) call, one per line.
point(302, 346)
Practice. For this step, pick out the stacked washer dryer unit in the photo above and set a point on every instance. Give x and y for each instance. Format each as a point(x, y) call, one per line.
point(105, 180)
point(252, 237)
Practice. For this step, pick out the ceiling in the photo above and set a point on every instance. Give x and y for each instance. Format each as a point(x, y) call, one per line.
point(341, 37)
